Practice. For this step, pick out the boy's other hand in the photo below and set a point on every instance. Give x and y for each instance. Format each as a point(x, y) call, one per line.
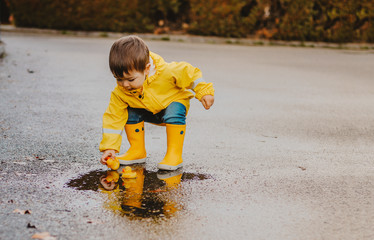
point(107, 153)
point(207, 101)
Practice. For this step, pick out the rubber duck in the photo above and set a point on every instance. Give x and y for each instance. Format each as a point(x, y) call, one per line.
point(128, 173)
point(112, 176)
point(112, 163)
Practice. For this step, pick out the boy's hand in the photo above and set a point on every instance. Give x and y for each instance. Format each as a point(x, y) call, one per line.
point(107, 153)
point(207, 101)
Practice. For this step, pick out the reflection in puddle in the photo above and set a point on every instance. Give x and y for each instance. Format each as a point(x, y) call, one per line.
point(149, 195)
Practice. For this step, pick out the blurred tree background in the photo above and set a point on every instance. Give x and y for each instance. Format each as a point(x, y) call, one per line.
point(304, 20)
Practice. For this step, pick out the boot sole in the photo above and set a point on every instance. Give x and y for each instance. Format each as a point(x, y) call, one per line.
point(130, 162)
point(165, 175)
point(168, 167)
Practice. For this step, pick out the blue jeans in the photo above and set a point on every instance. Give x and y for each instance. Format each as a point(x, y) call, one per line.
point(175, 113)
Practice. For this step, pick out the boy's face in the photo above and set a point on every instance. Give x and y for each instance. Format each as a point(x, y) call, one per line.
point(133, 80)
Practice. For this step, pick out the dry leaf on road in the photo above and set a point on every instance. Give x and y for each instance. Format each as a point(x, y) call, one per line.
point(43, 236)
point(22, 211)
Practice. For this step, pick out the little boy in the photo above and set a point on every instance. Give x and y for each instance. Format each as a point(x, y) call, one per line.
point(151, 90)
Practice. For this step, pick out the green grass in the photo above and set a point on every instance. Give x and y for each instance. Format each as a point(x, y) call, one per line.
point(259, 43)
point(165, 39)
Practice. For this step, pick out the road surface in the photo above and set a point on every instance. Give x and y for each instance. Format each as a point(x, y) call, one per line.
point(286, 152)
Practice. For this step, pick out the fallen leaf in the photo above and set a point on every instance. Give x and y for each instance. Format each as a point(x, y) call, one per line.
point(43, 236)
point(30, 226)
point(22, 212)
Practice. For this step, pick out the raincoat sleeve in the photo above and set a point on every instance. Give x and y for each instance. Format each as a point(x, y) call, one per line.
point(190, 77)
point(114, 120)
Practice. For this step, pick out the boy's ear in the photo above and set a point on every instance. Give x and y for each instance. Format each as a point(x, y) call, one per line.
point(147, 68)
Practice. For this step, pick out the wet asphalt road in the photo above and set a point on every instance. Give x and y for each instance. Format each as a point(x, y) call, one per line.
point(286, 152)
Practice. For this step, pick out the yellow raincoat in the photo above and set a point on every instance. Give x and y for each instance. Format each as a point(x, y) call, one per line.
point(166, 83)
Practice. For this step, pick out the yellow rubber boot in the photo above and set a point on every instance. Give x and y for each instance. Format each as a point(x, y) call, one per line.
point(136, 152)
point(175, 137)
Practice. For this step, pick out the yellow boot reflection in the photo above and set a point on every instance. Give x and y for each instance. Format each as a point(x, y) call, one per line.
point(172, 180)
point(133, 190)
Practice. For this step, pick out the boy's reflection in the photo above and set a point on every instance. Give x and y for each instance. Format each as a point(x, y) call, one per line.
point(146, 196)
point(143, 196)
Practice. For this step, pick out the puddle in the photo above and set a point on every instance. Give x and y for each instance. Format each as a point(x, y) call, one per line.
point(149, 195)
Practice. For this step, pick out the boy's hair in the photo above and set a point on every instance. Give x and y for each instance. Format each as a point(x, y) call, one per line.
point(127, 54)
